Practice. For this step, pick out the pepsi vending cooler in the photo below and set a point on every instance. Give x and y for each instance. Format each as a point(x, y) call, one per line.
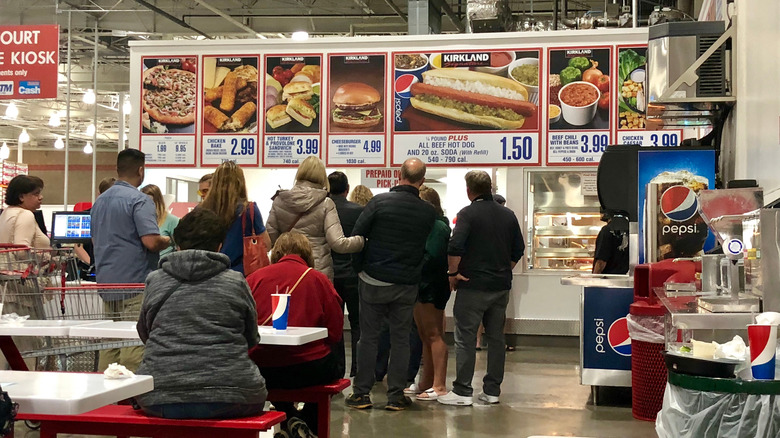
point(605, 350)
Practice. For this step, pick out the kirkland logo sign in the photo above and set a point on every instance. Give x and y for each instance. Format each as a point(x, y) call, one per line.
point(6, 88)
point(29, 87)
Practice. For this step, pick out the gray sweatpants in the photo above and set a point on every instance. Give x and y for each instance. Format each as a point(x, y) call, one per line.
point(472, 307)
point(396, 303)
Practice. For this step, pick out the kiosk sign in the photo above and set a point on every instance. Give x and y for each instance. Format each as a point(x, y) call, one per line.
point(29, 56)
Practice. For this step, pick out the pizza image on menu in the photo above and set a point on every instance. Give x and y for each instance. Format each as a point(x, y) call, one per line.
point(230, 94)
point(169, 95)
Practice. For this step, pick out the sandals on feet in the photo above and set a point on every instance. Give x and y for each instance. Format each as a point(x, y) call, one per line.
point(428, 395)
point(413, 389)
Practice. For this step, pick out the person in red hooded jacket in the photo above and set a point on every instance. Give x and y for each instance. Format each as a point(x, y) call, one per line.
point(313, 303)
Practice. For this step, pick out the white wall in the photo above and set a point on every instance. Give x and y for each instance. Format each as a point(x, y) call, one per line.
point(757, 112)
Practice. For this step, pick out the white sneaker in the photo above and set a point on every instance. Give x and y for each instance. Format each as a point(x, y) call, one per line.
point(489, 399)
point(453, 399)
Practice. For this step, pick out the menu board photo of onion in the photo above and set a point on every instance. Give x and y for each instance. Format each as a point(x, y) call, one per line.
point(579, 87)
point(461, 91)
point(292, 94)
point(169, 94)
point(229, 94)
point(356, 93)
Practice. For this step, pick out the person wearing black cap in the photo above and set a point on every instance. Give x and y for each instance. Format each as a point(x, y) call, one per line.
point(611, 255)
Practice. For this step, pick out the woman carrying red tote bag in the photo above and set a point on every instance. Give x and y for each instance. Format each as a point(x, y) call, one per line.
point(255, 252)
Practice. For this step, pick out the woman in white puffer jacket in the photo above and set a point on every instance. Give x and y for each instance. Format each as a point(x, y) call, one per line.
point(306, 208)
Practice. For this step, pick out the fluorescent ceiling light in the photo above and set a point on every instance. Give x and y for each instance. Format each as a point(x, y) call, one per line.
point(89, 97)
point(24, 137)
point(5, 151)
point(300, 35)
point(261, 36)
point(88, 148)
point(90, 129)
point(54, 119)
point(61, 78)
point(127, 107)
point(59, 144)
point(11, 111)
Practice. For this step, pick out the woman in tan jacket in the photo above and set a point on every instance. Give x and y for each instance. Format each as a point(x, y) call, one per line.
point(307, 209)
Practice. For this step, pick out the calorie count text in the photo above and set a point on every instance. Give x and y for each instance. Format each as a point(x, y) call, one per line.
point(576, 147)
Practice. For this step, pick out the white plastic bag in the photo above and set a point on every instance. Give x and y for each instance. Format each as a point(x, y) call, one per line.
point(646, 328)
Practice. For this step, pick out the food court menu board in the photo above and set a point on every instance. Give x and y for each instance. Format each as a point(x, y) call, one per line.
point(292, 124)
point(631, 82)
point(229, 129)
point(168, 101)
point(467, 107)
point(579, 105)
point(356, 110)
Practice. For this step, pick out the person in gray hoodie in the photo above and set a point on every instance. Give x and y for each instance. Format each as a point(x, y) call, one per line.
point(197, 351)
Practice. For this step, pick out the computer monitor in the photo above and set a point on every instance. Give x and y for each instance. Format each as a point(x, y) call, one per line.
point(70, 227)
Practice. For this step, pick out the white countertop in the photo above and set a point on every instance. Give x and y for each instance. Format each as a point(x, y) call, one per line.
point(53, 327)
point(106, 329)
point(53, 393)
point(291, 336)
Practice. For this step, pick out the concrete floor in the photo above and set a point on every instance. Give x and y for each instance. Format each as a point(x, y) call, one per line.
point(541, 395)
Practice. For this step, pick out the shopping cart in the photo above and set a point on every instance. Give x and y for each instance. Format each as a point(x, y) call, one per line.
point(34, 282)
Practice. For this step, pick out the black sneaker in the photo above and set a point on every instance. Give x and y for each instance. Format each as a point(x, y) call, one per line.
point(399, 405)
point(299, 429)
point(359, 401)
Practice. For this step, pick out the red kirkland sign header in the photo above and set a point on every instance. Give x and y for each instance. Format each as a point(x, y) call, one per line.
point(28, 61)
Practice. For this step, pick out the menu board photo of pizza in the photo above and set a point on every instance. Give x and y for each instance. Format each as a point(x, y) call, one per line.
point(169, 97)
point(476, 100)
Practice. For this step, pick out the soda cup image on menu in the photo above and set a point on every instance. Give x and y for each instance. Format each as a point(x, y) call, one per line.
point(280, 306)
point(408, 70)
point(763, 341)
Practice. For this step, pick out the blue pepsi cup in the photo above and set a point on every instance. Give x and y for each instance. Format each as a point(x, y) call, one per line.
point(280, 306)
point(763, 342)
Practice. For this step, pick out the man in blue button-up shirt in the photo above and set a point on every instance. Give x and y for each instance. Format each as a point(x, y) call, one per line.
point(127, 242)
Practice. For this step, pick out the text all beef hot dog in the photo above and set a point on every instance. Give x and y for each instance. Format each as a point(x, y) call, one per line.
point(472, 97)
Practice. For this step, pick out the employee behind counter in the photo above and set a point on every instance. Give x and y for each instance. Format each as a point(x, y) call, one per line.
point(611, 255)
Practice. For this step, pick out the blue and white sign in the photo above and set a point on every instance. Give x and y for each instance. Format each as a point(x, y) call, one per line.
point(468, 148)
point(289, 150)
point(650, 138)
point(572, 147)
point(362, 151)
point(169, 150)
point(239, 148)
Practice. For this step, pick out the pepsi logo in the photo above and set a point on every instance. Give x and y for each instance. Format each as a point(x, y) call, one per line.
point(403, 85)
point(618, 337)
point(679, 203)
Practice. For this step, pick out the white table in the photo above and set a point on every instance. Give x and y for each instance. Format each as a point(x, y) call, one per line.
point(268, 335)
point(106, 329)
point(37, 327)
point(291, 336)
point(39, 392)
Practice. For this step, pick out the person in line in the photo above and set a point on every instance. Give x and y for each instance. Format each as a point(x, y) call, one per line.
point(313, 303)
point(480, 345)
point(198, 352)
point(345, 278)
point(166, 221)
point(429, 310)
point(361, 195)
point(307, 209)
point(127, 241)
point(485, 246)
point(611, 255)
point(228, 198)
point(396, 225)
point(19, 227)
point(86, 252)
point(204, 185)
point(17, 222)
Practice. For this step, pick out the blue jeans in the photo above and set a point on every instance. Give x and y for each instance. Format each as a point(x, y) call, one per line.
point(197, 411)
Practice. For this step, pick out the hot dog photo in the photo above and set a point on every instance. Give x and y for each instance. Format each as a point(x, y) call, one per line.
point(229, 94)
point(356, 93)
point(579, 87)
point(292, 94)
point(497, 90)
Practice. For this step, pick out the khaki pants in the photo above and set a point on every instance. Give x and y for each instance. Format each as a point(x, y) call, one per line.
point(122, 310)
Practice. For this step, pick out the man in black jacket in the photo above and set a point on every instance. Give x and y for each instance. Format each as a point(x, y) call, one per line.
point(485, 246)
point(396, 225)
point(345, 279)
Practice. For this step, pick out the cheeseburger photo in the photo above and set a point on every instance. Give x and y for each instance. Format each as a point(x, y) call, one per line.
point(472, 97)
point(355, 106)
